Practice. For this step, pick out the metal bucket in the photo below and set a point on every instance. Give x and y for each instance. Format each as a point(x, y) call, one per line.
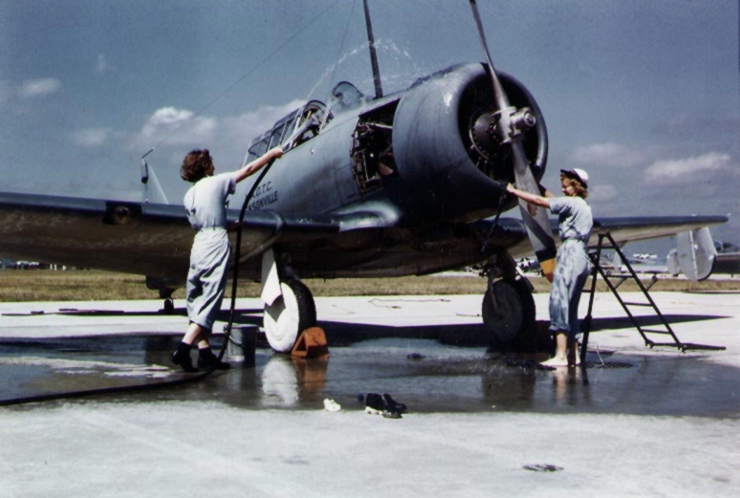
point(242, 344)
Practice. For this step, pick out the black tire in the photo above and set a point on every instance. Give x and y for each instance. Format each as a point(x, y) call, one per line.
point(509, 314)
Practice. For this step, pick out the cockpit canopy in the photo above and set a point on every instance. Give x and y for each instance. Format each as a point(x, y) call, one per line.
point(292, 130)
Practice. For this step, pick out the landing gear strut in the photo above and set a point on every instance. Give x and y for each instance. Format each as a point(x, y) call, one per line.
point(169, 306)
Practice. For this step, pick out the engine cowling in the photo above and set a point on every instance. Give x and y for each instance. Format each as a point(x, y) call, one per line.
point(446, 148)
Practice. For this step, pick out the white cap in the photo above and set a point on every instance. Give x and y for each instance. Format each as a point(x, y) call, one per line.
point(578, 174)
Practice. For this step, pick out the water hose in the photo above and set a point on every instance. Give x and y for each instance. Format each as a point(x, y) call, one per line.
point(237, 256)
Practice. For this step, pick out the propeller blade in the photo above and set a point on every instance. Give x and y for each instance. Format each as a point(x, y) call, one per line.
point(498, 91)
point(535, 218)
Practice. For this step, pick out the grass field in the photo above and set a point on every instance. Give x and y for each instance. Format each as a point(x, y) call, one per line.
point(81, 285)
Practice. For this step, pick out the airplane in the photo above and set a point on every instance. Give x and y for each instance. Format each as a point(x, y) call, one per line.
point(727, 259)
point(698, 256)
point(644, 256)
point(408, 183)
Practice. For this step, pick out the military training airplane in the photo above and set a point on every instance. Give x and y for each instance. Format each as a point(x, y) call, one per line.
point(409, 183)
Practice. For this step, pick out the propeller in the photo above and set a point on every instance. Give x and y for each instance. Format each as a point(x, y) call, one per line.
point(509, 124)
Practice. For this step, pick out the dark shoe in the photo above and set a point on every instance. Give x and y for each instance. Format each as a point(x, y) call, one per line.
point(183, 360)
point(391, 414)
point(209, 361)
point(393, 405)
point(376, 404)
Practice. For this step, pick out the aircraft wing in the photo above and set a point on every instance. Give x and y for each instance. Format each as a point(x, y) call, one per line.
point(155, 239)
point(142, 238)
point(630, 229)
point(633, 228)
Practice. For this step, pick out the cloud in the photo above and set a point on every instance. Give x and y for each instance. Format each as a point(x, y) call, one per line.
point(103, 66)
point(685, 171)
point(602, 193)
point(91, 137)
point(610, 155)
point(173, 131)
point(39, 88)
point(244, 128)
point(177, 127)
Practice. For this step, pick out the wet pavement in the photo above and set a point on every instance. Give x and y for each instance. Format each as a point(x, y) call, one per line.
point(429, 376)
point(466, 401)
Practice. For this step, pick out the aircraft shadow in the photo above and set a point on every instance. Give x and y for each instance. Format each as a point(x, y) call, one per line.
point(621, 322)
point(339, 334)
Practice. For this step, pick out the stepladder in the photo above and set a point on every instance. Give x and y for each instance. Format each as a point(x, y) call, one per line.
point(652, 326)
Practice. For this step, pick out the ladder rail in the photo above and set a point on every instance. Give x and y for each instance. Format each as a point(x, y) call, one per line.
point(589, 316)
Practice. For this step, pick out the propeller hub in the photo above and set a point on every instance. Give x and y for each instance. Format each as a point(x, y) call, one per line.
point(523, 120)
point(492, 130)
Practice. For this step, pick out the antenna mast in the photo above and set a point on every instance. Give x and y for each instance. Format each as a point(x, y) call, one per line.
point(373, 55)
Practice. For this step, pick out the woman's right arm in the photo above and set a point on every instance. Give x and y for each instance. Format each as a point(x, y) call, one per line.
point(535, 199)
point(254, 166)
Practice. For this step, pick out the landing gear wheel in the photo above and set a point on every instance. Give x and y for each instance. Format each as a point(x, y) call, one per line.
point(509, 313)
point(289, 315)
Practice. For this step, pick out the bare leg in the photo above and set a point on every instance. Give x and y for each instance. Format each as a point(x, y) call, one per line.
point(574, 353)
point(194, 334)
point(561, 351)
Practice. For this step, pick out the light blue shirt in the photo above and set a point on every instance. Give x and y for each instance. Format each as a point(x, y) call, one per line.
point(575, 220)
point(206, 202)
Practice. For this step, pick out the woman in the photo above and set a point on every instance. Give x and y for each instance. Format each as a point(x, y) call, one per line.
point(206, 205)
point(573, 265)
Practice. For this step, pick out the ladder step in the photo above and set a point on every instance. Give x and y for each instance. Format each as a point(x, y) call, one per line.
point(653, 331)
point(687, 345)
point(638, 304)
point(619, 275)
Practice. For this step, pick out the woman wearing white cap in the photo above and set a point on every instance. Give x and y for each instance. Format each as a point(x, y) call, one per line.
point(573, 265)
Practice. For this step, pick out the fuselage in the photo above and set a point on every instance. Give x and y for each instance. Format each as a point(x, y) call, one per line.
point(410, 157)
point(412, 150)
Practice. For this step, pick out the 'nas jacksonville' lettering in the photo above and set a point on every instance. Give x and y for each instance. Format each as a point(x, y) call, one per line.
point(266, 196)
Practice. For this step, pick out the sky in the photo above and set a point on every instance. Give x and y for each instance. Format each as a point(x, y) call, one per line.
point(644, 95)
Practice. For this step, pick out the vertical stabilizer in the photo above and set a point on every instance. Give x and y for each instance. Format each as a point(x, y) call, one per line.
point(695, 254)
point(152, 192)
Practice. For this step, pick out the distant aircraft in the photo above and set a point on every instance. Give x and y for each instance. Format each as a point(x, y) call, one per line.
point(727, 259)
point(698, 256)
point(645, 256)
point(385, 186)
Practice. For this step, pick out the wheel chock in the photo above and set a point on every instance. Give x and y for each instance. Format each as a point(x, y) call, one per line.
point(311, 344)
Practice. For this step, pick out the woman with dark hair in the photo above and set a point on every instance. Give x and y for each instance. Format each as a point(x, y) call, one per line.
point(573, 264)
point(206, 205)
